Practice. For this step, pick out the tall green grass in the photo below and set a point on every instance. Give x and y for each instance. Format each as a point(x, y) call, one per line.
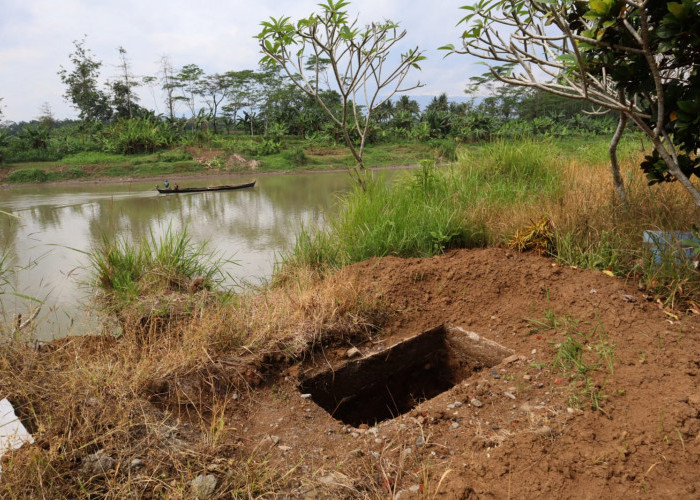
point(498, 188)
point(125, 271)
point(418, 217)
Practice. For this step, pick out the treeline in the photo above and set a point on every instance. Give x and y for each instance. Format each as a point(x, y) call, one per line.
point(265, 103)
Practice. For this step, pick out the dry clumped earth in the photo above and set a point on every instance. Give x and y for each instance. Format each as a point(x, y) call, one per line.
point(524, 427)
point(499, 412)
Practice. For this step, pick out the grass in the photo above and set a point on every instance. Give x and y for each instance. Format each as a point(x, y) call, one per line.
point(583, 356)
point(170, 395)
point(295, 154)
point(535, 194)
point(188, 354)
point(418, 219)
point(126, 272)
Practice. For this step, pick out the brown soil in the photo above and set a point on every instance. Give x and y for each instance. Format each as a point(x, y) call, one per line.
point(523, 428)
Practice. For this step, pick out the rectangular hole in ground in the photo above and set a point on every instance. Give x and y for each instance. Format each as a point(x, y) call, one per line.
point(393, 382)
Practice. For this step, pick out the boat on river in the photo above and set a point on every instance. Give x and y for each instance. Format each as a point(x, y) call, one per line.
point(203, 189)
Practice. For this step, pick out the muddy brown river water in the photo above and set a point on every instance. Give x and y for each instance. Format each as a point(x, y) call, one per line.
point(55, 224)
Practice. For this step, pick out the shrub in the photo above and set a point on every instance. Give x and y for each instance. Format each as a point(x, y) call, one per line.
point(173, 156)
point(268, 147)
point(296, 156)
point(27, 175)
point(445, 148)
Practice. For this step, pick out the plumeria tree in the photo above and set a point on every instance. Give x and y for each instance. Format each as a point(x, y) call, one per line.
point(637, 58)
point(357, 58)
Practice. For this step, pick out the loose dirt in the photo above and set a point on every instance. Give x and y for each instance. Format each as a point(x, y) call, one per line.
point(525, 427)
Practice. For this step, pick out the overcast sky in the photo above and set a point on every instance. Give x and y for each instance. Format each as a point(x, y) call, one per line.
point(36, 38)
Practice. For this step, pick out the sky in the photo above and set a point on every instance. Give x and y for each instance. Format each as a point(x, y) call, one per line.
point(36, 39)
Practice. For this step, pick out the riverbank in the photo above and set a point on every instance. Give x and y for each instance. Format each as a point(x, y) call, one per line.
point(227, 400)
point(209, 174)
point(195, 162)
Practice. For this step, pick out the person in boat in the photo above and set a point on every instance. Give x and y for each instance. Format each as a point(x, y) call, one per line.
point(176, 187)
point(166, 184)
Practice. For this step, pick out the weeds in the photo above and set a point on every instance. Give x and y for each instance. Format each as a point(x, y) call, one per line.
point(581, 355)
point(155, 265)
point(112, 415)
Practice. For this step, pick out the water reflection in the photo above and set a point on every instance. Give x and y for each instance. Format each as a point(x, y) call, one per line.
point(57, 223)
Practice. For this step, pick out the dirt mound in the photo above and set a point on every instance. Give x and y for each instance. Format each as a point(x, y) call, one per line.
point(599, 397)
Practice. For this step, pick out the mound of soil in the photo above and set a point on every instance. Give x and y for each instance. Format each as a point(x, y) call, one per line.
point(592, 393)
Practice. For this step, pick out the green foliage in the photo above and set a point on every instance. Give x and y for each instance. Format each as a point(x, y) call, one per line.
point(82, 85)
point(357, 58)
point(91, 158)
point(445, 148)
point(296, 156)
point(124, 271)
point(173, 156)
point(28, 175)
point(136, 135)
point(674, 42)
point(418, 217)
point(75, 173)
point(268, 147)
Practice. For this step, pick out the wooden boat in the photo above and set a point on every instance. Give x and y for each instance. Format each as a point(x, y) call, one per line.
point(203, 189)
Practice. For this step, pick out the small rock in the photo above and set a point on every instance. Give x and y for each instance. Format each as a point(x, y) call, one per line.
point(203, 486)
point(415, 488)
point(420, 441)
point(284, 448)
point(274, 439)
point(457, 404)
point(593, 291)
point(546, 431)
point(334, 477)
point(475, 402)
point(534, 351)
point(510, 359)
point(356, 453)
point(135, 463)
point(352, 352)
point(305, 396)
point(509, 395)
point(527, 377)
point(407, 452)
point(629, 298)
point(98, 462)
point(495, 427)
point(455, 425)
point(378, 440)
point(355, 434)
point(376, 454)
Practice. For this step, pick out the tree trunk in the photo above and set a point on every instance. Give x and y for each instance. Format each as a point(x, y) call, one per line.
point(618, 183)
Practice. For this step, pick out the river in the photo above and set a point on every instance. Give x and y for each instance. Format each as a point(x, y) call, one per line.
point(44, 245)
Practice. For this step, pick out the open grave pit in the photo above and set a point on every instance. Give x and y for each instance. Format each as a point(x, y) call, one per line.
point(392, 382)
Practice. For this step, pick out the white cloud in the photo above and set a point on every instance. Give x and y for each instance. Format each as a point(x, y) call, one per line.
point(36, 39)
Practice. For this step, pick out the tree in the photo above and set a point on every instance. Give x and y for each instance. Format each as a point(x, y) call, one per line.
point(356, 57)
point(91, 103)
point(169, 84)
point(238, 93)
point(123, 97)
point(46, 118)
point(214, 89)
point(637, 58)
point(187, 80)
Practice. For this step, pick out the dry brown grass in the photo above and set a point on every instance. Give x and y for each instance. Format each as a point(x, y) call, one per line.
point(143, 414)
